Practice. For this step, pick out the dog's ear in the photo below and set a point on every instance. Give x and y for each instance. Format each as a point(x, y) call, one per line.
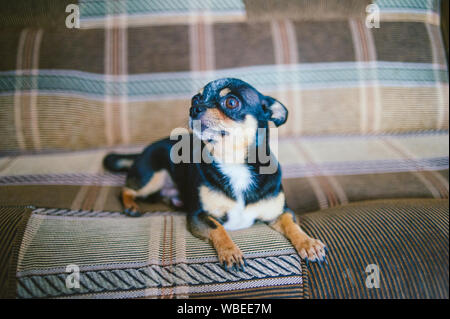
point(274, 111)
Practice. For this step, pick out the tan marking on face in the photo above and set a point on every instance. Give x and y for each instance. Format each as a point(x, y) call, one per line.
point(233, 147)
point(214, 202)
point(201, 91)
point(216, 117)
point(155, 184)
point(218, 204)
point(224, 92)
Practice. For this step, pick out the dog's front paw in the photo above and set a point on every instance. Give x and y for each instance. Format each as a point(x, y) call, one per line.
point(231, 257)
point(311, 249)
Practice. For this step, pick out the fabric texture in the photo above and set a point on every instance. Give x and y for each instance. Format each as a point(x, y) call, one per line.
point(268, 10)
point(318, 172)
point(152, 256)
point(101, 84)
point(156, 257)
point(13, 221)
point(407, 240)
point(368, 120)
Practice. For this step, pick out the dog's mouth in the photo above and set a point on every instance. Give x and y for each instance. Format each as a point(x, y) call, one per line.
point(206, 131)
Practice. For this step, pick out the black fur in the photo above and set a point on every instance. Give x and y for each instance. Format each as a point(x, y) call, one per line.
point(188, 177)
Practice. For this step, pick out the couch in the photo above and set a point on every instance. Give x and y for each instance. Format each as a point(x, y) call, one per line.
point(364, 153)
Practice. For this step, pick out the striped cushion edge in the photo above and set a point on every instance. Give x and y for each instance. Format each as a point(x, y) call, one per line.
point(13, 221)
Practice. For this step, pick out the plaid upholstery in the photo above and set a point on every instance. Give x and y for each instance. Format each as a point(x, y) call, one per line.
point(318, 172)
point(368, 120)
point(102, 84)
point(156, 257)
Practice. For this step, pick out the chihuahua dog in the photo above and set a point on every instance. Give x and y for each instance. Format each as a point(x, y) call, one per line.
point(217, 193)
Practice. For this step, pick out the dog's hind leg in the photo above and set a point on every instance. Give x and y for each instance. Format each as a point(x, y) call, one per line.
point(148, 175)
point(130, 193)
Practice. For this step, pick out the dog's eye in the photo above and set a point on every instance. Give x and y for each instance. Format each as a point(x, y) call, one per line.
point(231, 102)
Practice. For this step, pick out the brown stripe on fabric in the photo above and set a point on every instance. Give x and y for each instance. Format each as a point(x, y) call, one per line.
point(373, 92)
point(115, 49)
point(101, 198)
point(164, 248)
point(180, 232)
point(77, 202)
point(321, 196)
point(201, 46)
point(193, 46)
point(333, 198)
point(284, 42)
point(33, 98)
point(171, 254)
point(20, 65)
point(116, 65)
point(167, 255)
point(364, 48)
point(25, 107)
point(90, 198)
point(109, 127)
point(123, 71)
point(13, 221)
point(427, 177)
point(26, 97)
point(116, 121)
point(201, 40)
point(292, 41)
point(277, 44)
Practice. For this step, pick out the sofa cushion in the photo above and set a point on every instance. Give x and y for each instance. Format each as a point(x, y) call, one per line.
point(152, 256)
point(318, 172)
point(404, 241)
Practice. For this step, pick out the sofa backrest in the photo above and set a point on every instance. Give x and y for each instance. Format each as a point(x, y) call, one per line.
point(127, 74)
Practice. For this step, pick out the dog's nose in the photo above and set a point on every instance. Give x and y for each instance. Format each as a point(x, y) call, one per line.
point(196, 111)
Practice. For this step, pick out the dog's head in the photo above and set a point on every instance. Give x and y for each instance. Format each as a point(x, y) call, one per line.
point(231, 105)
point(227, 113)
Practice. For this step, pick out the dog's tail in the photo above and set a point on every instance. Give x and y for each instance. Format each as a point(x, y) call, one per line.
point(119, 162)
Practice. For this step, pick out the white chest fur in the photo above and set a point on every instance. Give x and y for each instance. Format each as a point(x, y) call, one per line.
point(239, 177)
point(238, 214)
